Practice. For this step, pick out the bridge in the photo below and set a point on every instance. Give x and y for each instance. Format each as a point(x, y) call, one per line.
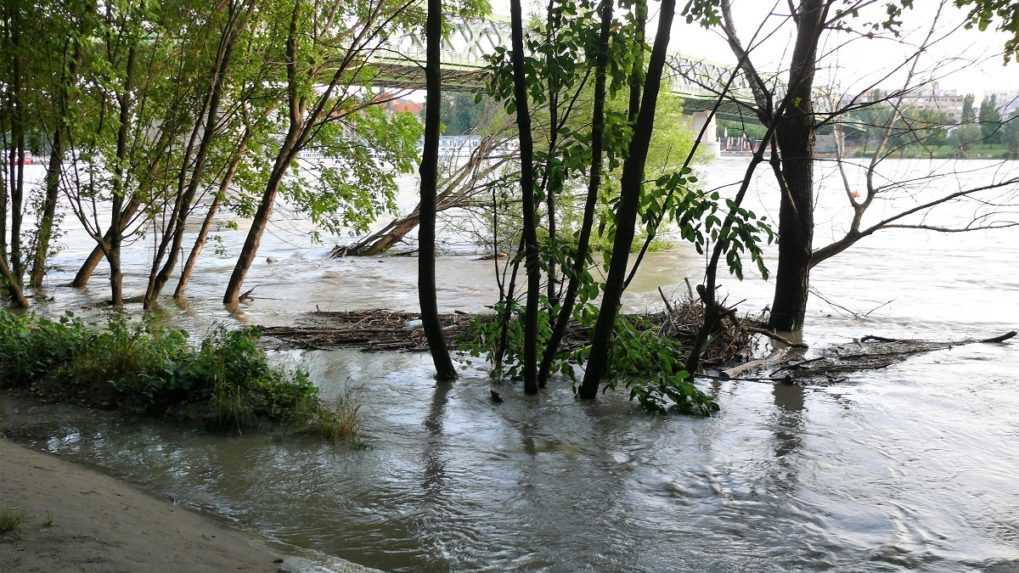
point(401, 65)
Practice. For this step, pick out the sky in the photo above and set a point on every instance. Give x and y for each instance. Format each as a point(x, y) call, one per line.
point(968, 61)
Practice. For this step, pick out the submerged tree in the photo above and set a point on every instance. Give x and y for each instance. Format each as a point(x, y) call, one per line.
point(326, 48)
point(429, 176)
point(626, 216)
point(802, 110)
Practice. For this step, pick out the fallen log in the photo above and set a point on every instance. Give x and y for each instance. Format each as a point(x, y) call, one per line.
point(870, 352)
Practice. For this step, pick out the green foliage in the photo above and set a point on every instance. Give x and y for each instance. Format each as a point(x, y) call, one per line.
point(152, 369)
point(969, 115)
point(990, 120)
point(1004, 14)
point(910, 126)
point(355, 180)
point(644, 362)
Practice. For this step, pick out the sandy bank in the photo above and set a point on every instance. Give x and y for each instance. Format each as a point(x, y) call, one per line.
point(77, 519)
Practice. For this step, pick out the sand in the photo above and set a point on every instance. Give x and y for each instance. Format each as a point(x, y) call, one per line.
point(78, 519)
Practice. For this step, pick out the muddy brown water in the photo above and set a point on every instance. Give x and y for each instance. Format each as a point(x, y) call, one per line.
point(912, 467)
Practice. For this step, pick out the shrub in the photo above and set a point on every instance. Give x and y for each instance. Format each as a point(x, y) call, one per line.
point(146, 367)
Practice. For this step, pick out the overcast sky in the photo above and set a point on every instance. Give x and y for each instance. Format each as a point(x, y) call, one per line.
point(966, 60)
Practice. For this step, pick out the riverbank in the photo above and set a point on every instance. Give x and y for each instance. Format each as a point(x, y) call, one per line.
point(77, 519)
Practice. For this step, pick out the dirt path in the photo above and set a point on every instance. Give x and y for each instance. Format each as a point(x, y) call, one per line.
point(77, 519)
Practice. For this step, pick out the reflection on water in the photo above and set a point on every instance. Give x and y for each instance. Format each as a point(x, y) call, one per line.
point(908, 468)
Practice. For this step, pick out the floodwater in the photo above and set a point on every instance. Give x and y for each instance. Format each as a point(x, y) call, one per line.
point(908, 468)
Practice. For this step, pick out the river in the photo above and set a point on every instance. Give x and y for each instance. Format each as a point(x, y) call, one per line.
point(912, 467)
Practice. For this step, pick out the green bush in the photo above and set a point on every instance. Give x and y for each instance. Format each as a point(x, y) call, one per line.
point(145, 367)
point(649, 365)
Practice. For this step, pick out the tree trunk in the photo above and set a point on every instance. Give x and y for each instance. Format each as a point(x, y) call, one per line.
point(49, 209)
point(527, 190)
point(552, 177)
point(232, 296)
point(444, 370)
point(13, 289)
point(629, 203)
point(88, 267)
point(288, 150)
point(382, 240)
point(795, 137)
point(210, 215)
point(594, 183)
point(158, 280)
point(17, 187)
point(633, 104)
point(116, 226)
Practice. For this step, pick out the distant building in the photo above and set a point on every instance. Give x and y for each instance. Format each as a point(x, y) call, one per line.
point(930, 97)
point(404, 105)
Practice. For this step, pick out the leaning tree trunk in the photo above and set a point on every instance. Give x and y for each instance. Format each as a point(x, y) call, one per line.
point(594, 184)
point(444, 370)
point(88, 267)
point(527, 191)
point(49, 207)
point(49, 210)
point(285, 156)
point(158, 280)
point(232, 296)
point(795, 137)
point(629, 203)
point(210, 215)
point(382, 240)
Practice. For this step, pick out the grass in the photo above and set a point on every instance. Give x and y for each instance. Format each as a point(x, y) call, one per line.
point(11, 521)
point(226, 381)
point(339, 423)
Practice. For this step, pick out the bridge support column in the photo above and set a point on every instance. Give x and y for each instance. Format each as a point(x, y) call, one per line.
point(709, 143)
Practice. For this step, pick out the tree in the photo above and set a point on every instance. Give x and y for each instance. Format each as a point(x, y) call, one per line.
point(530, 233)
point(207, 125)
point(59, 46)
point(792, 156)
point(626, 216)
point(16, 115)
point(990, 120)
point(324, 106)
point(969, 115)
point(580, 258)
point(429, 177)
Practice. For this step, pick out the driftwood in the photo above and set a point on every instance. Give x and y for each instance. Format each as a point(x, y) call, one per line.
point(868, 353)
point(369, 330)
point(385, 330)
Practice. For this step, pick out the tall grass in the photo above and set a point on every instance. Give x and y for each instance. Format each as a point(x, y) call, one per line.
point(11, 521)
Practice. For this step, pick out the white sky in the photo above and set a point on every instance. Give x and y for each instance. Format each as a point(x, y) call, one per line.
point(968, 61)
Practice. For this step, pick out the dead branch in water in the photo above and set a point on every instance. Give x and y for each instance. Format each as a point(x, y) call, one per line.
point(870, 352)
point(379, 330)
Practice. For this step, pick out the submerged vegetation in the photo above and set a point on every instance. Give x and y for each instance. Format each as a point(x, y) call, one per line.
point(226, 382)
